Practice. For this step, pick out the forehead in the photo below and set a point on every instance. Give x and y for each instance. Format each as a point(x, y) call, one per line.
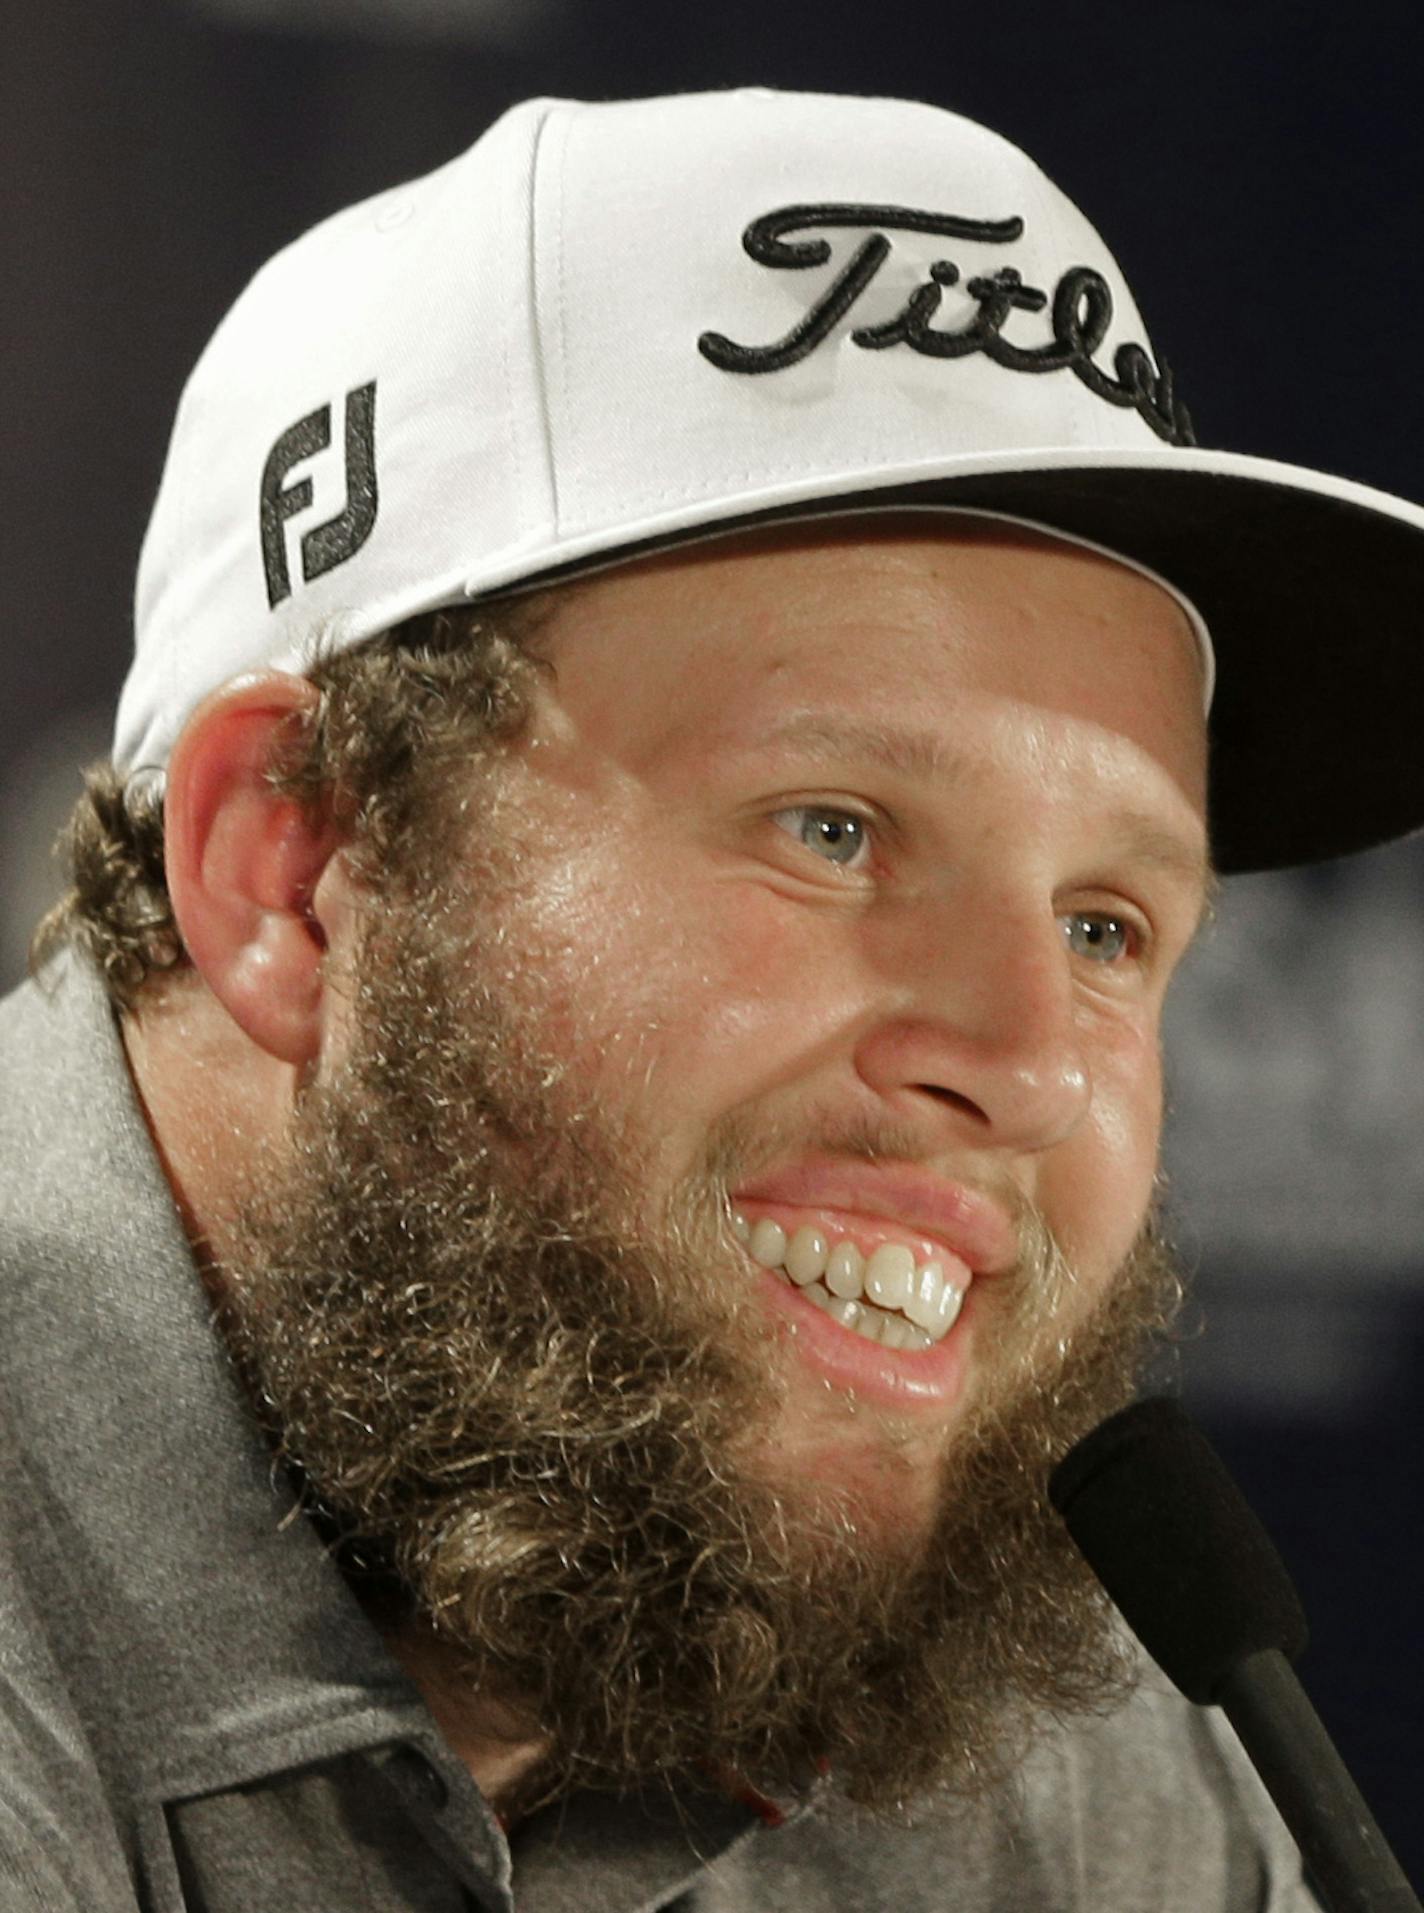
point(914, 628)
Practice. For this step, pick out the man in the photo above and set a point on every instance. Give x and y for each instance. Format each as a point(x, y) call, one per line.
point(666, 773)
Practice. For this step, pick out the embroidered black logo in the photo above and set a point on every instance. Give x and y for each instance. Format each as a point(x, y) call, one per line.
point(327, 545)
point(1081, 309)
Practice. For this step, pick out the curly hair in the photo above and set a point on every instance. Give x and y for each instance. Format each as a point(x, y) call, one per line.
point(393, 714)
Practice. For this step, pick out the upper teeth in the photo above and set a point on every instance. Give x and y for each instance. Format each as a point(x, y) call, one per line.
point(860, 1291)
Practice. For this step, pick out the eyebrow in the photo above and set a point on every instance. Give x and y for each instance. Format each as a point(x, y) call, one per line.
point(926, 755)
point(911, 753)
point(1146, 841)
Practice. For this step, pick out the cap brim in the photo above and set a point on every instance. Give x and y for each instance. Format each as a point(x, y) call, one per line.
point(1312, 588)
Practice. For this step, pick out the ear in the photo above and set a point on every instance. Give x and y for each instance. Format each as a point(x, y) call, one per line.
point(244, 862)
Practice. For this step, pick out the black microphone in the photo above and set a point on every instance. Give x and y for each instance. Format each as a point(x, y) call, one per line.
point(1169, 1534)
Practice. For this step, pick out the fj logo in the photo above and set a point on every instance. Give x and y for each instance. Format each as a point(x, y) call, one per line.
point(329, 544)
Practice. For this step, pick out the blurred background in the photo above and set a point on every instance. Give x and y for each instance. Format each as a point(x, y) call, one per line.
point(1259, 172)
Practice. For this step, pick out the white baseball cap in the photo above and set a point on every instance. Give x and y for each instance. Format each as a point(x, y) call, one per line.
point(607, 329)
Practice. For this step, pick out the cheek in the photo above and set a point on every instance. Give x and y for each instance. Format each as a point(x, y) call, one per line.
point(669, 986)
point(1097, 1188)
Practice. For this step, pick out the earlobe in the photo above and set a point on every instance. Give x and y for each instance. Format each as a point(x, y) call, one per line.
point(244, 861)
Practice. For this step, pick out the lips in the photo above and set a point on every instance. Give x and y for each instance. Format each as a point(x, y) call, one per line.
point(907, 1204)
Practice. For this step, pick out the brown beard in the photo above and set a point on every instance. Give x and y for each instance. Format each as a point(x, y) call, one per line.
point(534, 1405)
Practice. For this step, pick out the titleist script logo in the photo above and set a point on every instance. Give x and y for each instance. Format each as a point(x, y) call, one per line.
point(329, 544)
point(1081, 309)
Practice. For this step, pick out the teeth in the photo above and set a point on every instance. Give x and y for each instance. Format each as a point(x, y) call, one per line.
point(920, 1302)
point(886, 1297)
point(866, 1322)
point(806, 1256)
point(890, 1275)
point(845, 1272)
point(768, 1243)
point(951, 1302)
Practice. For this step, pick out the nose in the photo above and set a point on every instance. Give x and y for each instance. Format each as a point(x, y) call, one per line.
point(980, 1020)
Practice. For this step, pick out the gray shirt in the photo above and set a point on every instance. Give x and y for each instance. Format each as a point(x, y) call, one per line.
point(196, 1713)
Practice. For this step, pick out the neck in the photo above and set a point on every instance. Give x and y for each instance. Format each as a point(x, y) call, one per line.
point(496, 1744)
point(210, 1099)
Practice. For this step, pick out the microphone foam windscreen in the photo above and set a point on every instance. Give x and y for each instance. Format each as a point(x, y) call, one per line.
point(1175, 1543)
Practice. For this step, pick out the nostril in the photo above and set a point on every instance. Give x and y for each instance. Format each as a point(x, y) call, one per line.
point(953, 1099)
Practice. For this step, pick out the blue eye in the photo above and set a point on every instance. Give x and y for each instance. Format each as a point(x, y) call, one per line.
point(836, 835)
point(1096, 935)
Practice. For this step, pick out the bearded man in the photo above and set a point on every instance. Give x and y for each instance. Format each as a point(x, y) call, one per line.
point(587, 1130)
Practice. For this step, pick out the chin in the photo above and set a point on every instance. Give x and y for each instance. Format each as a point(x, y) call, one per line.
point(859, 1474)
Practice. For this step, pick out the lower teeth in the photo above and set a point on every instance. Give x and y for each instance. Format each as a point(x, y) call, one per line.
point(866, 1320)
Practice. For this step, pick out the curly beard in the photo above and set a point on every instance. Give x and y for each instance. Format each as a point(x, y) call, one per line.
point(533, 1406)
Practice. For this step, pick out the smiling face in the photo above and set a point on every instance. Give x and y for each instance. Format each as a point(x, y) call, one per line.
point(815, 933)
point(884, 839)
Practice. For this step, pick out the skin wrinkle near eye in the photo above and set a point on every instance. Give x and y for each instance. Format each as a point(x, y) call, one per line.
point(925, 758)
point(1138, 939)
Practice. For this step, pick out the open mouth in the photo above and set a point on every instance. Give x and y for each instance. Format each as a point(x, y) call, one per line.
point(884, 1291)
